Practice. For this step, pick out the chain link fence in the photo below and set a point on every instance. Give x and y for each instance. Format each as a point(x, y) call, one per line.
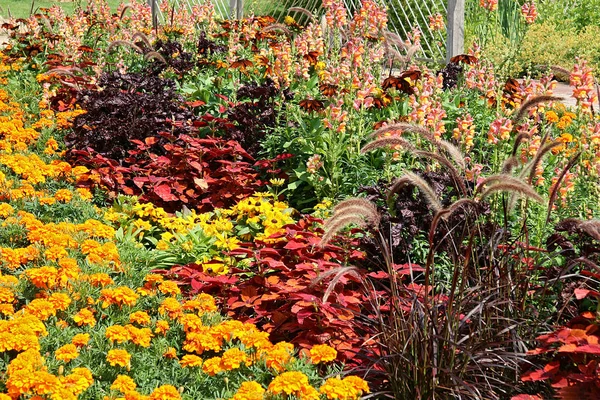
point(403, 16)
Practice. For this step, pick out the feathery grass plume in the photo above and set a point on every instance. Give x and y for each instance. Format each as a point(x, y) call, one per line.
point(542, 151)
point(337, 273)
point(445, 162)
point(509, 165)
point(278, 27)
point(60, 71)
point(451, 149)
point(125, 8)
point(142, 38)
point(154, 55)
point(445, 213)
point(368, 207)
point(512, 187)
point(561, 176)
point(591, 227)
point(498, 178)
point(394, 39)
point(410, 53)
point(46, 22)
point(304, 11)
point(387, 142)
point(392, 54)
point(518, 140)
point(532, 103)
point(123, 43)
point(410, 178)
point(340, 223)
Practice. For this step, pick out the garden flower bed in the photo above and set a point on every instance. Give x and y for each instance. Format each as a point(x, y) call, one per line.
point(217, 209)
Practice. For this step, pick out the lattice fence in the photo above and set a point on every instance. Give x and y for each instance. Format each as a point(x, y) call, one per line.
point(404, 16)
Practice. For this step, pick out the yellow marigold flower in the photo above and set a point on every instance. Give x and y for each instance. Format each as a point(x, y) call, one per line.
point(322, 353)
point(153, 278)
point(289, 383)
point(118, 357)
point(63, 195)
point(139, 317)
point(7, 309)
point(212, 366)
point(190, 360)
point(233, 359)
point(350, 388)
point(165, 392)
point(84, 194)
point(81, 339)
point(169, 288)
point(117, 333)
point(249, 391)
point(357, 383)
point(55, 253)
point(171, 353)
point(279, 355)
point(309, 393)
point(6, 210)
point(85, 317)
point(66, 353)
point(162, 327)
point(123, 384)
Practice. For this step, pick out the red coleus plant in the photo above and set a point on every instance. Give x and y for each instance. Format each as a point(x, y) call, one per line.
point(197, 173)
point(284, 286)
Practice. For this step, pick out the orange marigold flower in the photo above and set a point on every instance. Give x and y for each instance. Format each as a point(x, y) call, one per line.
point(40, 308)
point(141, 337)
point(162, 327)
point(76, 383)
point(212, 366)
point(81, 339)
point(165, 392)
point(118, 357)
point(289, 383)
point(139, 317)
point(249, 391)
point(85, 317)
point(120, 296)
point(100, 279)
point(190, 360)
point(63, 195)
point(171, 307)
point(123, 384)
point(169, 288)
point(117, 333)
point(61, 301)
point(171, 353)
point(43, 277)
point(6, 210)
point(322, 353)
point(233, 358)
point(279, 355)
point(66, 353)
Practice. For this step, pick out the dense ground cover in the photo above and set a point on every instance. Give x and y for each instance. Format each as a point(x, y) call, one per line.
point(175, 203)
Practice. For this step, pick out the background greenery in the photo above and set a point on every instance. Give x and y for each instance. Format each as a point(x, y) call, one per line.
point(22, 8)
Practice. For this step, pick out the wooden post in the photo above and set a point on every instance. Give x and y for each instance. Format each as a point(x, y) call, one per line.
point(455, 42)
point(236, 9)
point(154, 7)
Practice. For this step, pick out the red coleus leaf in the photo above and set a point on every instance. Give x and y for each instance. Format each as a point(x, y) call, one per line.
point(542, 374)
point(583, 293)
point(526, 397)
point(164, 192)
